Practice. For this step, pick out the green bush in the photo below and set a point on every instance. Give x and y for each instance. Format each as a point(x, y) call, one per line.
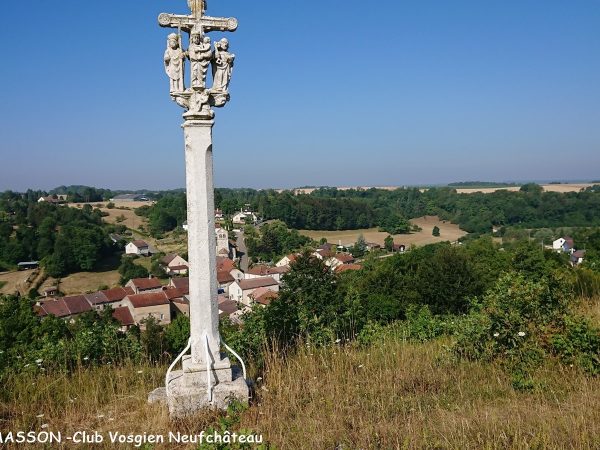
point(522, 322)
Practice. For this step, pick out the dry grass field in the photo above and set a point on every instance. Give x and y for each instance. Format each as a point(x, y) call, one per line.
point(392, 395)
point(12, 282)
point(562, 188)
point(448, 232)
point(82, 282)
point(566, 187)
point(121, 210)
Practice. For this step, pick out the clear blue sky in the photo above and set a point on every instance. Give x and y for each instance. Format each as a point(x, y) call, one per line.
point(323, 93)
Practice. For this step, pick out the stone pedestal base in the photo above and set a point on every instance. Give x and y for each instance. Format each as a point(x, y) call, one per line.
point(188, 392)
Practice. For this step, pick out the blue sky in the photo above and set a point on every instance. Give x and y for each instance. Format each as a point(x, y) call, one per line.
point(323, 93)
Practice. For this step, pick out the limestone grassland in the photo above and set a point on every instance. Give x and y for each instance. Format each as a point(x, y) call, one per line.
point(448, 232)
point(123, 213)
point(392, 394)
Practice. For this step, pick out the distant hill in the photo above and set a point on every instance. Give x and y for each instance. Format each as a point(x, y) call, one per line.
point(481, 184)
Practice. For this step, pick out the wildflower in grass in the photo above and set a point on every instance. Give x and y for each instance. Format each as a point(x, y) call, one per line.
point(521, 334)
point(259, 379)
point(39, 416)
point(361, 366)
point(100, 416)
point(140, 371)
point(337, 341)
point(39, 361)
point(496, 334)
point(86, 358)
point(45, 425)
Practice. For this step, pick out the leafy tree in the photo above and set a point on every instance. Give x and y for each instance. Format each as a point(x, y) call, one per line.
point(436, 231)
point(129, 270)
point(177, 334)
point(388, 243)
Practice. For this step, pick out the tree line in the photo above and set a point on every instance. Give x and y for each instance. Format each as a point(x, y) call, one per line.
point(63, 239)
point(334, 209)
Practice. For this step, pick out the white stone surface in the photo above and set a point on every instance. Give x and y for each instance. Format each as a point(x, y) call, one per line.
point(188, 388)
point(204, 309)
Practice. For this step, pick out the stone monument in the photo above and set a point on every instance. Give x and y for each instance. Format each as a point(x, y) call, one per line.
point(207, 378)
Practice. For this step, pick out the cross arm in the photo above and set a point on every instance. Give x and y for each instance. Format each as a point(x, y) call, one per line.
point(207, 23)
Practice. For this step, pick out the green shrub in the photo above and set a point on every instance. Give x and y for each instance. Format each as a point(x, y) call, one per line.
point(522, 322)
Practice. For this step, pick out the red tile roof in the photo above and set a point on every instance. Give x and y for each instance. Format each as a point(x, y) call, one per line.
point(257, 282)
point(181, 283)
point(174, 293)
point(117, 294)
point(65, 307)
point(144, 284)
point(140, 244)
point(96, 298)
point(266, 270)
point(148, 299)
point(224, 277)
point(77, 304)
point(344, 258)
point(227, 307)
point(265, 298)
point(347, 267)
point(225, 264)
point(56, 307)
point(123, 315)
point(168, 258)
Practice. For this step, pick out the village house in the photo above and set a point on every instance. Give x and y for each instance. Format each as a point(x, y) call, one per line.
point(263, 296)
point(142, 285)
point(182, 284)
point(150, 304)
point(323, 254)
point(244, 217)
point(180, 306)
point(373, 246)
point(226, 307)
point(54, 199)
point(398, 248)
point(137, 247)
point(174, 264)
point(67, 308)
point(224, 280)
point(339, 259)
point(260, 271)
point(227, 265)
point(50, 291)
point(240, 291)
point(124, 317)
point(577, 257)
point(564, 244)
point(287, 260)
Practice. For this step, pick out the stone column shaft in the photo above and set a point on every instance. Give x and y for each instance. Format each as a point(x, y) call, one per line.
point(204, 309)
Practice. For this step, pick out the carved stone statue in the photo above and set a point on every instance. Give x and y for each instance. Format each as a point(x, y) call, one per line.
point(200, 54)
point(175, 63)
point(222, 66)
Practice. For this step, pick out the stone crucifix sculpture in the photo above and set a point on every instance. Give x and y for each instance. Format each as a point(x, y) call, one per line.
point(207, 378)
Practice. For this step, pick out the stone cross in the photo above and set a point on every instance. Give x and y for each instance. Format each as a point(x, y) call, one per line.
point(207, 378)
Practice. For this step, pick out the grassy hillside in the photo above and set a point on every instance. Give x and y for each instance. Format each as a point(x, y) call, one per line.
point(393, 394)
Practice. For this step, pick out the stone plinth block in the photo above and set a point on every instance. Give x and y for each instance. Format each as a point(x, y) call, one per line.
point(188, 393)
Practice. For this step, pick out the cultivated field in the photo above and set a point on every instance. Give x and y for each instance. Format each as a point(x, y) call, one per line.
point(121, 209)
point(567, 187)
point(448, 232)
point(11, 282)
point(562, 188)
point(83, 282)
